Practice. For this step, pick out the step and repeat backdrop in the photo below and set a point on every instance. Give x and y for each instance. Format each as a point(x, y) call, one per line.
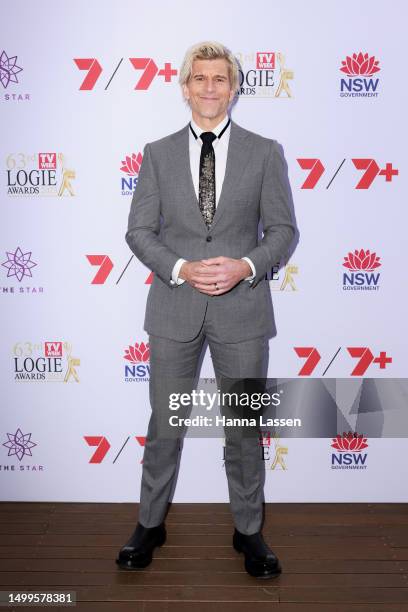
point(83, 87)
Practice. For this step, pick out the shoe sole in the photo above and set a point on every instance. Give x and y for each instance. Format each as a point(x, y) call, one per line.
point(127, 565)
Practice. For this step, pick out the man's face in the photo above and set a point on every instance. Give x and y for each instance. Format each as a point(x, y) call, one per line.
point(209, 89)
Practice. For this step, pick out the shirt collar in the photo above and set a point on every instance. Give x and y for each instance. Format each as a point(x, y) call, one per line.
point(218, 128)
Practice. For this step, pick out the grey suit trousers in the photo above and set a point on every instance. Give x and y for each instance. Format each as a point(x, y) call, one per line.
point(243, 459)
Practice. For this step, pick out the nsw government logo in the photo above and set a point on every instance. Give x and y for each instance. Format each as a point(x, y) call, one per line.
point(263, 74)
point(349, 456)
point(361, 275)
point(360, 69)
point(131, 167)
point(138, 356)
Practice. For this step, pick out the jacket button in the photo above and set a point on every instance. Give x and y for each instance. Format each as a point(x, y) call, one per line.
point(209, 238)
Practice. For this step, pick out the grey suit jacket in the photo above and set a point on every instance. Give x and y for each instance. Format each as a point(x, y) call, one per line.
point(165, 223)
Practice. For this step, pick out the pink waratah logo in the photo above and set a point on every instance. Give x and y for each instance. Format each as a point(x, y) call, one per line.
point(139, 353)
point(362, 260)
point(360, 65)
point(350, 441)
point(131, 164)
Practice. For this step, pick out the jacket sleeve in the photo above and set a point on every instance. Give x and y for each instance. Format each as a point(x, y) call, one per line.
point(142, 234)
point(276, 216)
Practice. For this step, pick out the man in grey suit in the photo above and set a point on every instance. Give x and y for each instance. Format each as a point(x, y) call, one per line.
point(194, 221)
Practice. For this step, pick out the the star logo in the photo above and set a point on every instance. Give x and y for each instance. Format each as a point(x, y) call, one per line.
point(8, 69)
point(19, 264)
point(19, 444)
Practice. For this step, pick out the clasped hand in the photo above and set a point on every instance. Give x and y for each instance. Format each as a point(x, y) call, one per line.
point(216, 275)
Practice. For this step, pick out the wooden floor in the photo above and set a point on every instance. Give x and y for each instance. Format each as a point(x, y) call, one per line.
point(335, 558)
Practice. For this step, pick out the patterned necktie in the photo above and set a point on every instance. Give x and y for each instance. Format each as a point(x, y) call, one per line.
point(206, 186)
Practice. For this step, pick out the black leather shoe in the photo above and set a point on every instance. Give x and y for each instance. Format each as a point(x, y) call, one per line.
point(260, 561)
point(137, 553)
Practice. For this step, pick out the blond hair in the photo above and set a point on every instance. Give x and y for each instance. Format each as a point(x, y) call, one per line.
point(209, 49)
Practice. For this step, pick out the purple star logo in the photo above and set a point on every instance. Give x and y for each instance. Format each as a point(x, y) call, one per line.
point(8, 69)
point(19, 444)
point(19, 264)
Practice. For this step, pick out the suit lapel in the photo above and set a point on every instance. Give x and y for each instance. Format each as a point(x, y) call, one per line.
point(236, 160)
point(182, 159)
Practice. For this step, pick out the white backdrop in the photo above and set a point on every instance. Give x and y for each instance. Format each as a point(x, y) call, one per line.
point(56, 312)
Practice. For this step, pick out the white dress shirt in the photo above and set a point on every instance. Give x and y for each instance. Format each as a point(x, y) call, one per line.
point(220, 147)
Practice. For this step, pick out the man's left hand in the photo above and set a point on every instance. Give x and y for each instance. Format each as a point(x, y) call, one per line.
point(221, 275)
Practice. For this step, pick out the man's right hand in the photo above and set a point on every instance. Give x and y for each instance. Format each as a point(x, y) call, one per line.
point(190, 269)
